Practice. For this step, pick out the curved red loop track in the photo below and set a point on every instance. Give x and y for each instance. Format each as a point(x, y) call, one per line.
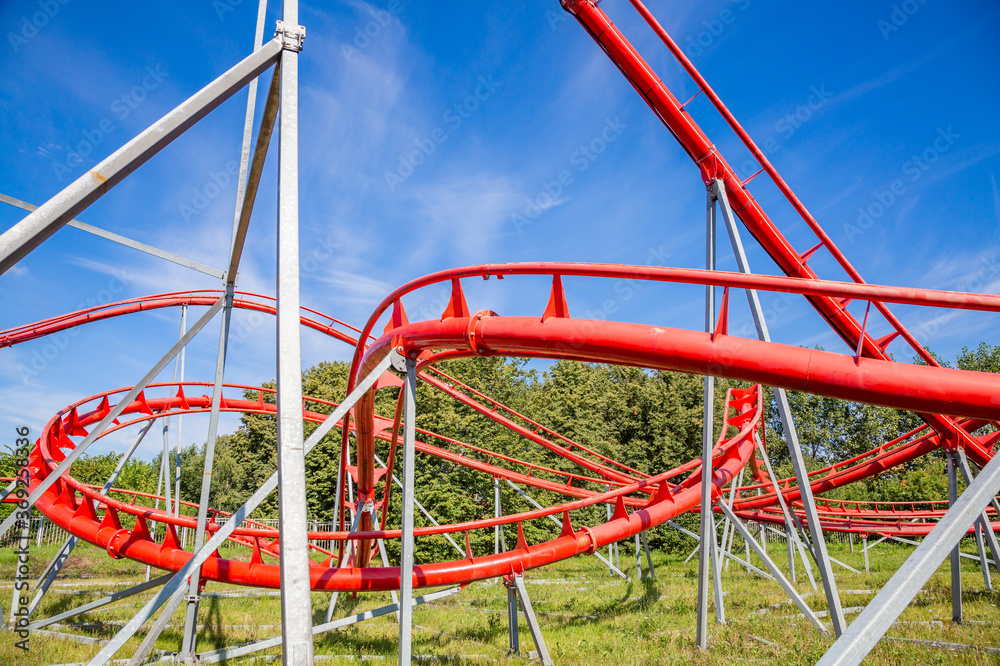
point(127, 529)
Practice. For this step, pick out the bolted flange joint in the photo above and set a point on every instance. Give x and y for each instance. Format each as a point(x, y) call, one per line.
point(291, 36)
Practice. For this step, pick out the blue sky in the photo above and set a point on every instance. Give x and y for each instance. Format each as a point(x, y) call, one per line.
point(843, 97)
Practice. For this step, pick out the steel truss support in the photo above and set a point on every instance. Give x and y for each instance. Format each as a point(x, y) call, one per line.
point(792, 535)
point(869, 627)
point(122, 240)
point(516, 590)
point(113, 414)
point(33, 230)
point(104, 601)
point(59, 560)
point(709, 557)
point(406, 542)
point(296, 598)
point(188, 645)
point(956, 552)
point(775, 572)
point(984, 528)
point(173, 591)
point(499, 543)
point(785, 412)
point(246, 196)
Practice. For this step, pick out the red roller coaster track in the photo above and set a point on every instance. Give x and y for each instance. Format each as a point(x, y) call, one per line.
point(954, 404)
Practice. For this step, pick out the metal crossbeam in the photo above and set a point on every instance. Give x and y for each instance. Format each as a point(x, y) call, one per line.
point(775, 572)
point(103, 601)
point(123, 240)
point(866, 630)
point(33, 230)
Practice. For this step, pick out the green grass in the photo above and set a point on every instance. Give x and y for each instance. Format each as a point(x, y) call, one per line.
point(589, 617)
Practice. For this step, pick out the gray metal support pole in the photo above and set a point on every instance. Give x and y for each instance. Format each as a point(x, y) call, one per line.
point(708, 555)
point(791, 551)
point(880, 613)
point(499, 543)
point(406, 544)
point(956, 553)
point(795, 451)
point(188, 646)
point(513, 639)
point(865, 551)
point(172, 591)
point(177, 451)
point(529, 616)
point(611, 546)
point(789, 590)
point(159, 488)
point(33, 230)
point(985, 528)
point(296, 598)
point(792, 535)
point(638, 558)
point(649, 558)
point(241, 181)
point(850, 537)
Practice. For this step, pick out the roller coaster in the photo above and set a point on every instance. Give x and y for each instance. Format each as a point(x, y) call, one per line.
point(959, 408)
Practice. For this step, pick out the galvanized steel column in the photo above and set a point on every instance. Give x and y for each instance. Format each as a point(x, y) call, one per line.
point(296, 598)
